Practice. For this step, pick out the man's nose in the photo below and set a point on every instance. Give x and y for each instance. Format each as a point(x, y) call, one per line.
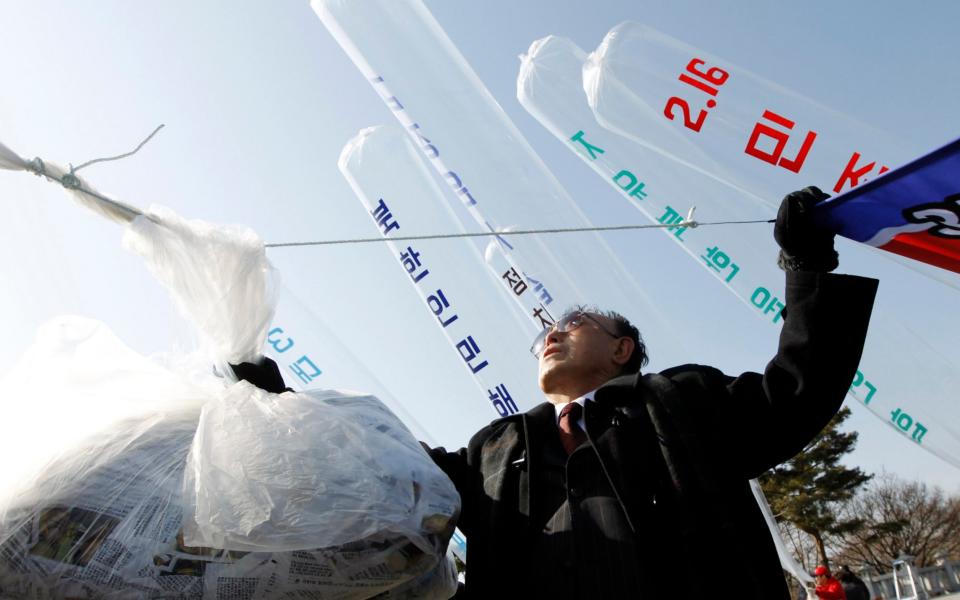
point(552, 336)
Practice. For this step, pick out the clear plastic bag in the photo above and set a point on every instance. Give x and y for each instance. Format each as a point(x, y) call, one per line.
point(314, 469)
point(106, 520)
point(138, 479)
point(217, 275)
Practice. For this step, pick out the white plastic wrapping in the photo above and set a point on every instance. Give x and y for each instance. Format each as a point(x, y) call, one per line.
point(218, 276)
point(153, 481)
point(316, 469)
point(10, 160)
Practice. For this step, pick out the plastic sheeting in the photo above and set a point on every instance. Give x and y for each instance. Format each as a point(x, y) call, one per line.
point(218, 276)
point(10, 160)
point(310, 470)
point(167, 481)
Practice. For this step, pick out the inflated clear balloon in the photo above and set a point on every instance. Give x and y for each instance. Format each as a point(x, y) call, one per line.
point(699, 108)
point(662, 184)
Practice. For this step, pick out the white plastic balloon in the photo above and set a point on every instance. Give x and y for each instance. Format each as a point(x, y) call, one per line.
point(663, 185)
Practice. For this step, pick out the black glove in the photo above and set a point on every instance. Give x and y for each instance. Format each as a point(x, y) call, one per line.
point(264, 374)
point(804, 245)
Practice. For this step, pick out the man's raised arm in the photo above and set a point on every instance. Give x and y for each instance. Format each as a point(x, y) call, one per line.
point(825, 324)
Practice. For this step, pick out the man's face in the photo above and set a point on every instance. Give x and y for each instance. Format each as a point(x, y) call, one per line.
point(586, 354)
point(820, 579)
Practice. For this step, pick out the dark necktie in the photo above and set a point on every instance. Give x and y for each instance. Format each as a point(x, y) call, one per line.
point(571, 436)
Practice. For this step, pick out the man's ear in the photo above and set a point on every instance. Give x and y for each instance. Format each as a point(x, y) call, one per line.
point(624, 351)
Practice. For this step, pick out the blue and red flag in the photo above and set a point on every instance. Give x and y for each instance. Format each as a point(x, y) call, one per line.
point(913, 211)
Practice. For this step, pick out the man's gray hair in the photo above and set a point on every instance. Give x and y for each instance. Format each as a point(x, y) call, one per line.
point(624, 328)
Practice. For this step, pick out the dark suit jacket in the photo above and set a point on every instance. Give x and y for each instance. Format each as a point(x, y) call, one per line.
point(657, 503)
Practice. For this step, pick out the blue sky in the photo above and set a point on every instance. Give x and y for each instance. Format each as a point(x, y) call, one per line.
point(258, 101)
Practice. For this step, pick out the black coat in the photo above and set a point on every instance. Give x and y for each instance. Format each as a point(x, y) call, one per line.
point(657, 503)
point(854, 587)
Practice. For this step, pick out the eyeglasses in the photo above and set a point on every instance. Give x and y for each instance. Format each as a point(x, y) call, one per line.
point(566, 324)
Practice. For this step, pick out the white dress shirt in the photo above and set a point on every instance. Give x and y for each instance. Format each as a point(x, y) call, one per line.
point(582, 400)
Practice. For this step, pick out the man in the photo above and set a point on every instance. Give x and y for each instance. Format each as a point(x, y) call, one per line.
point(828, 588)
point(853, 586)
point(625, 485)
point(643, 492)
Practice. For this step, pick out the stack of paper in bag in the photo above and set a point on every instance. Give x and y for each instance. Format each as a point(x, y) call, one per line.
point(135, 479)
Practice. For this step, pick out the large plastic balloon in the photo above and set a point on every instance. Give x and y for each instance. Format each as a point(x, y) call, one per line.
point(665, 184)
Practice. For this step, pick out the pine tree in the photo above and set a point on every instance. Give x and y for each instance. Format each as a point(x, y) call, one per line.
point(810, 489)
